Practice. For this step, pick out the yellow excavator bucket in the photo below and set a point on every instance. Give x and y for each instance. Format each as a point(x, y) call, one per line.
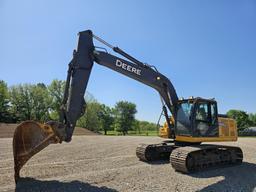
point(29, 138)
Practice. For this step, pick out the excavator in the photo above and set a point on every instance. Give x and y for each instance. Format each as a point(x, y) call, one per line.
point(189, 122)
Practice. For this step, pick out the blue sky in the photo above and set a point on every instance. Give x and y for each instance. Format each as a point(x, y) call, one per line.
point(206, 48)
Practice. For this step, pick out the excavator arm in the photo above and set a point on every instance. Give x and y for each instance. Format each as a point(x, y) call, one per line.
point(79, 73)
point(31, 137)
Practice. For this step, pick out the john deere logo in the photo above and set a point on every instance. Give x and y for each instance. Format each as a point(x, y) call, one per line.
point(128, 67)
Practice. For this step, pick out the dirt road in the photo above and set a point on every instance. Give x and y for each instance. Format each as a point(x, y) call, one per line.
point(108, 163)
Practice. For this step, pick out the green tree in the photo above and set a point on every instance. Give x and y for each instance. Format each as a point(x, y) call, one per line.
point(106, 118)
point(21, 101)
point(241, 117)
point(147, 126)
point(124, 116)
point(41, 102)
point(136, 126)
point(56, 91)
point(30, 102)
point(252, 118)
point(90, 120)
point(4, 101)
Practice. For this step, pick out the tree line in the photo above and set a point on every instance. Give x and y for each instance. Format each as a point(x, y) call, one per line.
point(243, 119)
point(42, 102)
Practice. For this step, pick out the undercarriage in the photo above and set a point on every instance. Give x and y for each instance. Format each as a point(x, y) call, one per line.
point(191, 157)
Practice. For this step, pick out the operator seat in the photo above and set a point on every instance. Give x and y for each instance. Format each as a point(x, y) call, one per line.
point(202, 125)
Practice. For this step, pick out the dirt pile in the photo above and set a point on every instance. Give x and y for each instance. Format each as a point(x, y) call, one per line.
point(7, 130)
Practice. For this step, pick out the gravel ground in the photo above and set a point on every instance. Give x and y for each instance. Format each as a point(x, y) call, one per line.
point(109, 163)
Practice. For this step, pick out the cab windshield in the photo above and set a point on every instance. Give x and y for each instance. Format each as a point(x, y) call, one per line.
point(183, 118)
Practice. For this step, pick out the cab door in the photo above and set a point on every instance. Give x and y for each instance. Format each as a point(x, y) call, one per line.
point(205, 121)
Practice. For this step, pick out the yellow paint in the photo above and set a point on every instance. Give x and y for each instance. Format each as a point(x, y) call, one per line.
point(203, 139)
point(164, 131)
point(227, 132)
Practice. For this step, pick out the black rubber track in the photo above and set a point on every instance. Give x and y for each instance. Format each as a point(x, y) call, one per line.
point(198, 158)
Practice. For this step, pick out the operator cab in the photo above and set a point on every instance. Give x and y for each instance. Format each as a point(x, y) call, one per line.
point(197, 117)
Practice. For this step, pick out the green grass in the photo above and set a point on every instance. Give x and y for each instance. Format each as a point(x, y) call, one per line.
point(132, 133)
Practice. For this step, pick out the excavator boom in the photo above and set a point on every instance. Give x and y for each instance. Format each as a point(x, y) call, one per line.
point(31, 137)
